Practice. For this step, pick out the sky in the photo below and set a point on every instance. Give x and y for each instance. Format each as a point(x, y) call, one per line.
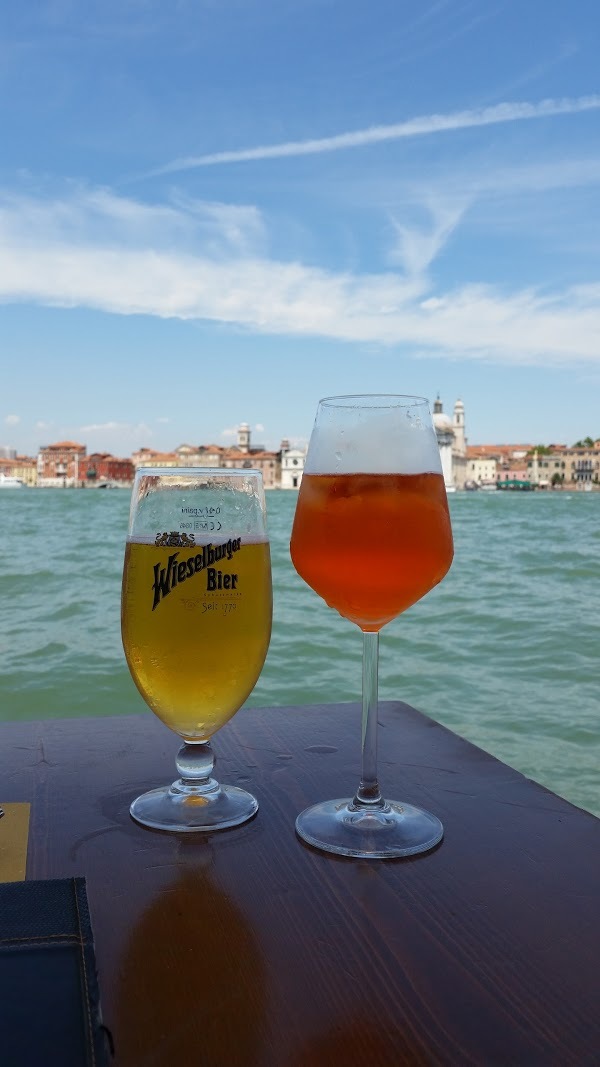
point(217, 211)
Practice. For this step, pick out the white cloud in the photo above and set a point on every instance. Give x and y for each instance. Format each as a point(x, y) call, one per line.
point(163, 419)
point(84, 215)
point(41, 425)
point(229, 431)
point(66, 263)
point(259, 427)
point(12, 420)
point(416, 248)
point(530, 177)
point(93, 427)
point(122, 430)
point(516, 111)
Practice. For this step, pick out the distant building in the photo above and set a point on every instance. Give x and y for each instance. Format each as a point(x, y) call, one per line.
point(102, 467)
point(22, 467)
point(149, 457)
point(559, 465)
point(188, 456)
point(199, 455)
point(502, 453)
point(585, 467)
point(444, 432)
point(452, 443)
point(482, 470)
point(62, 464)
point(512, 474)
point(280, 470)
point(487, 464)
point(243, 455)
point(292, 465)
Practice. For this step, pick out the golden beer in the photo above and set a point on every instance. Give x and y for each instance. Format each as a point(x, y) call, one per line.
point(196, 624)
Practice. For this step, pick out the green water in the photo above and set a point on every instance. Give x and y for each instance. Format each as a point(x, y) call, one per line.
point(504, 652)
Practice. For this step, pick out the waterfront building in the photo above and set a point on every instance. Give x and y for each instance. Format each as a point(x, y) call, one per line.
point(482, 470)
point(211, 455)
point(452, 443)
point(559, 465)
point(547, 469)
point(513, 473)
point(188, 456)
point(585, 467)
point(61, 465)
point(199, 455)
point(149, 457)
point(445, 439)
point(245, 456)
point(497, 463)
point(503, 454)
point(22, 467)
point(103, 467)
point(292, 465)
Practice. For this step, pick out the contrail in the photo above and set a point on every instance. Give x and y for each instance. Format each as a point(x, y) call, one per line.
point(417, 127)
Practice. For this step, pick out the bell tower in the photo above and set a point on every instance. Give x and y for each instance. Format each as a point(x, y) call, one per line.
point(460, 441)
point(244, 437)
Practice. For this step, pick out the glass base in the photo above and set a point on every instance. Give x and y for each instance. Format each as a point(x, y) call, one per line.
point(185, 809)
point(385, 832)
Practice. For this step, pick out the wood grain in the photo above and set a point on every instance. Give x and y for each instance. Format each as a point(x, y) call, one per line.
point(248, 947)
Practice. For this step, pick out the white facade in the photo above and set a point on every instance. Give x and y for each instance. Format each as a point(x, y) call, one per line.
point(292, 466)
point(452, 442)
point(458, 425)
point(483, 471)
point(445, 440)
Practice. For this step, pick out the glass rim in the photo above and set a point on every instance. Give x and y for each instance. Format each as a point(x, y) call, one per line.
point(400, 400)
point(194, 472)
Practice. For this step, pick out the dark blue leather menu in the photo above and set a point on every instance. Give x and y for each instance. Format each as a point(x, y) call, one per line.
point(49, 1001)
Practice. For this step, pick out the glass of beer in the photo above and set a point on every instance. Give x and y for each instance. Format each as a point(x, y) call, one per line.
point(371, 536)
point(196, 623)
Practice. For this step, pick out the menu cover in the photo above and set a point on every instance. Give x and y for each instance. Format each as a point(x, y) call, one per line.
point(49, 1002)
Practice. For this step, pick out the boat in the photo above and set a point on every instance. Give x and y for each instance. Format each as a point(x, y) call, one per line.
point(518, 484)
point(8, 482)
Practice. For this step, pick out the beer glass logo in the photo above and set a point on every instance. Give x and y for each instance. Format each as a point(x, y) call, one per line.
point(173, 539)
point(178, 571)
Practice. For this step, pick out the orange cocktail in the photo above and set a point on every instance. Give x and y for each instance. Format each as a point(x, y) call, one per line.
point(371, 536)
point(372, 544)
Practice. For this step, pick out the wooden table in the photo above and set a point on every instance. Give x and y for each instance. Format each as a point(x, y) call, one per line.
point(246, 947)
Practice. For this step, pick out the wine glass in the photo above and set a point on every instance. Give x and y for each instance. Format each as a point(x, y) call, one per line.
point(196, 622)
point(371, 536)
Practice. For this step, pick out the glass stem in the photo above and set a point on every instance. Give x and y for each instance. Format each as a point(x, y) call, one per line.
point(368, 793)
point(195, 763)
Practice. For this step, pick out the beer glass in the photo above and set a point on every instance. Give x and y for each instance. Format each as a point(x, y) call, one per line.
point(196, 622)
point(371, 535)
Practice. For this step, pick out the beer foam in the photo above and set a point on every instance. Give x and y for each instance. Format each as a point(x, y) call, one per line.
point(373, 440)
